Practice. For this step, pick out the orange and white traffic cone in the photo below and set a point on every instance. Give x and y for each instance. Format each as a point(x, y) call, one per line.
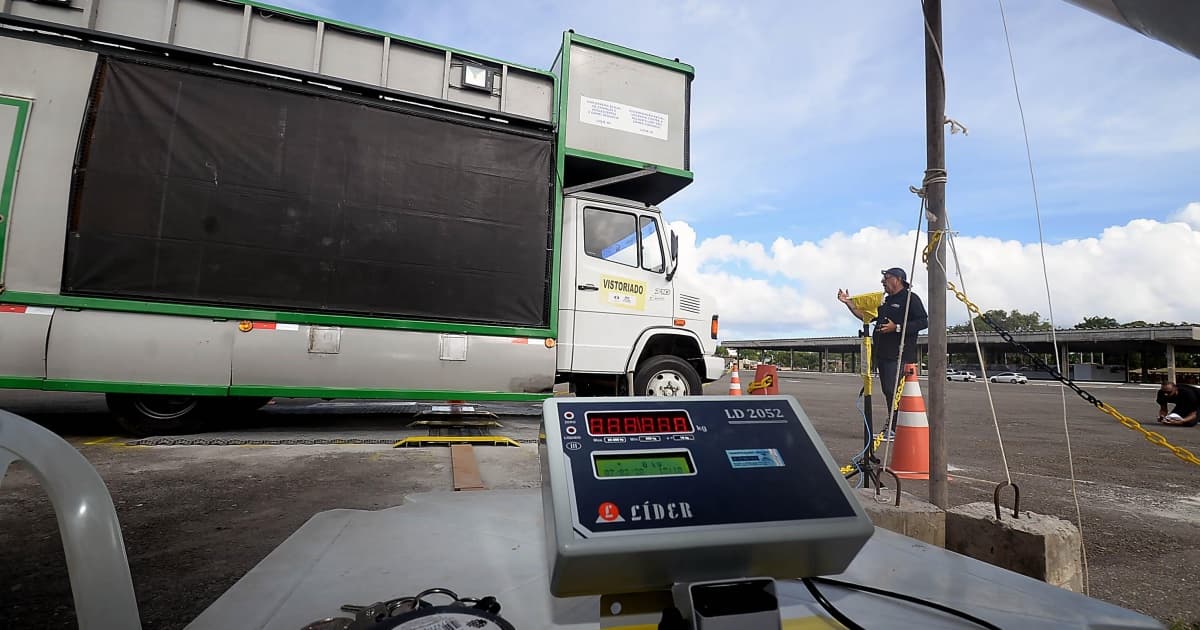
point(735, 383)
point(911, 450)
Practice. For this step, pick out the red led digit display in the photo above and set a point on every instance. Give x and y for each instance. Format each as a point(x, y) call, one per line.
point(633, 423)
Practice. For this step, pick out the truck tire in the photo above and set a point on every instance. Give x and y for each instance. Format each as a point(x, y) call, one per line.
point(144, 415)
point(666, 375)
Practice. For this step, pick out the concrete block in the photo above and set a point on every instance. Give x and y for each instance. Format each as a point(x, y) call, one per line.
point(914, 518)
point(1042, 547)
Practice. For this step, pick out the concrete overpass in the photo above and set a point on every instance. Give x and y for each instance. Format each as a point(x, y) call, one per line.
point(1121, 342)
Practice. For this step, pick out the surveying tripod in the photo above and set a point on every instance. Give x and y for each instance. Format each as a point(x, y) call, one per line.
point(870, 466)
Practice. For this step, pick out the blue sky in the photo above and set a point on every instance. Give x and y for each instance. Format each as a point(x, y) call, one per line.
point(808, 128)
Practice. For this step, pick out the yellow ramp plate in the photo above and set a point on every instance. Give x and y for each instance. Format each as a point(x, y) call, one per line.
point(438, 440)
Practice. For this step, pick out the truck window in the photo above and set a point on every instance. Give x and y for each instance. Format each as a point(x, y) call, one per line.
point(652, 252)
point(623, 238)
point(610, 235)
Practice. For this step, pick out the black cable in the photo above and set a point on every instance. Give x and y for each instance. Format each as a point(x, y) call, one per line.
point(878, 591)
point(828, 606)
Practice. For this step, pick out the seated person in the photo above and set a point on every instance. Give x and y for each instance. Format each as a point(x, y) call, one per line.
point(1186, 400)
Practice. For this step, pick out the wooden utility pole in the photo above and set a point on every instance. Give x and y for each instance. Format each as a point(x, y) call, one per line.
point(935, 198)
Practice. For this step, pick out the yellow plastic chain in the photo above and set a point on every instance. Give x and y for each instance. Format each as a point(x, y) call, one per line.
point(933, 241)
point(899, 394)
point(766, 382)
point(1154, 438)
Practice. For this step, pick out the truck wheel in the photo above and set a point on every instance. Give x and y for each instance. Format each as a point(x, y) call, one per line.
point(666, 375)
point(147, 415)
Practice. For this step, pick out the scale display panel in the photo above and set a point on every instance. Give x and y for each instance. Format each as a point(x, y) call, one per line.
point(664, 422)
point(641, 493)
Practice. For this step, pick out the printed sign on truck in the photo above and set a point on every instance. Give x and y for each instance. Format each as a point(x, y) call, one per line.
point(621, 117)
point(624, 292)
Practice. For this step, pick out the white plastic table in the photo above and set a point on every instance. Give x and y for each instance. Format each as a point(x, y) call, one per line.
point(492, 543)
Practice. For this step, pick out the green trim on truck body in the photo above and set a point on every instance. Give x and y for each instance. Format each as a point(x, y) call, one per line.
point(560, 145)
point(283, 317)
point(284, 391)
point(274, 391)
point(617, 49)
point(8, 184)
point(21, 382)
point(113, 387)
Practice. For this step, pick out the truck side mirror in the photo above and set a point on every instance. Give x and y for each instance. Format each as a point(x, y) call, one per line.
point(674, 256)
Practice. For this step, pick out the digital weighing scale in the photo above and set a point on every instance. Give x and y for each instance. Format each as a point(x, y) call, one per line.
point(645, 494)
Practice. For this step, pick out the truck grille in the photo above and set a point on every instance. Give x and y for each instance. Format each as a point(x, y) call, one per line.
point(689, 303)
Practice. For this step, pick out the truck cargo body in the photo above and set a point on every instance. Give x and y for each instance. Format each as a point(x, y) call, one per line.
point(191, 193)
point(177, 226)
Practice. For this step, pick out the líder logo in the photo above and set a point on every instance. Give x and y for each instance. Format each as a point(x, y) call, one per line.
point(658, 512)
point(610, 513)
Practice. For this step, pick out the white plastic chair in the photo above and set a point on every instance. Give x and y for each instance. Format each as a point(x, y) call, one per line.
point(87, 522)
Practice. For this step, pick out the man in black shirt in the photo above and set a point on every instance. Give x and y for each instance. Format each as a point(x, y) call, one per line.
point(1186, 400)
point(889, 331)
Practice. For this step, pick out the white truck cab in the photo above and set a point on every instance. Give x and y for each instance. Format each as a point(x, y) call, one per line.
point(623, 309)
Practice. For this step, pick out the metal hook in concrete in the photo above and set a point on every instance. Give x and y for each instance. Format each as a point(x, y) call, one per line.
point(1016, 498)
point(897, 480)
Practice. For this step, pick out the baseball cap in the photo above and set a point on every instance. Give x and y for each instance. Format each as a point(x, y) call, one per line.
point(898, 272)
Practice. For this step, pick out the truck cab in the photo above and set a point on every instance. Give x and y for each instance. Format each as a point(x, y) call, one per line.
point(626, 320)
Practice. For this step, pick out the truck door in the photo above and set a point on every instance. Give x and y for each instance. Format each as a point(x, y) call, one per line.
point(620, 285)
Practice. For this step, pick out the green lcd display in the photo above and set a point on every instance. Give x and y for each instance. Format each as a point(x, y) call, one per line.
point(643, 464)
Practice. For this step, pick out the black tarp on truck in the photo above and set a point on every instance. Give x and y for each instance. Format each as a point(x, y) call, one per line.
point(193, 187)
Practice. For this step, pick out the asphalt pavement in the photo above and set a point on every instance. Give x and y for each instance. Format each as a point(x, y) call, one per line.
point(197, 517)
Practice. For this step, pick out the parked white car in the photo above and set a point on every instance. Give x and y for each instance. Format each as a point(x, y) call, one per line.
point(956, 375)
point(1009, 377)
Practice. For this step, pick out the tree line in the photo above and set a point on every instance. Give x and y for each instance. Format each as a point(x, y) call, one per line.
point(1012, 321)
point(1016, 321)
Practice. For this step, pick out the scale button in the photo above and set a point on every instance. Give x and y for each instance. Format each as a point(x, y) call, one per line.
point(573, 446)
point(570, 415)
point(571, 430)
point(614, 440)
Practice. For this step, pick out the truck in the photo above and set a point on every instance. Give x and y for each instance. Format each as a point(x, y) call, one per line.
point(207, 204)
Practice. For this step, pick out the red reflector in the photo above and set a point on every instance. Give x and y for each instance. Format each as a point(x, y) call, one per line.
point(264, 325)
point(12, 308)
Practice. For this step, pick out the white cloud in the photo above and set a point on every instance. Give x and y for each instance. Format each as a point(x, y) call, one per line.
point(1190, 214)
point(788, 289)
